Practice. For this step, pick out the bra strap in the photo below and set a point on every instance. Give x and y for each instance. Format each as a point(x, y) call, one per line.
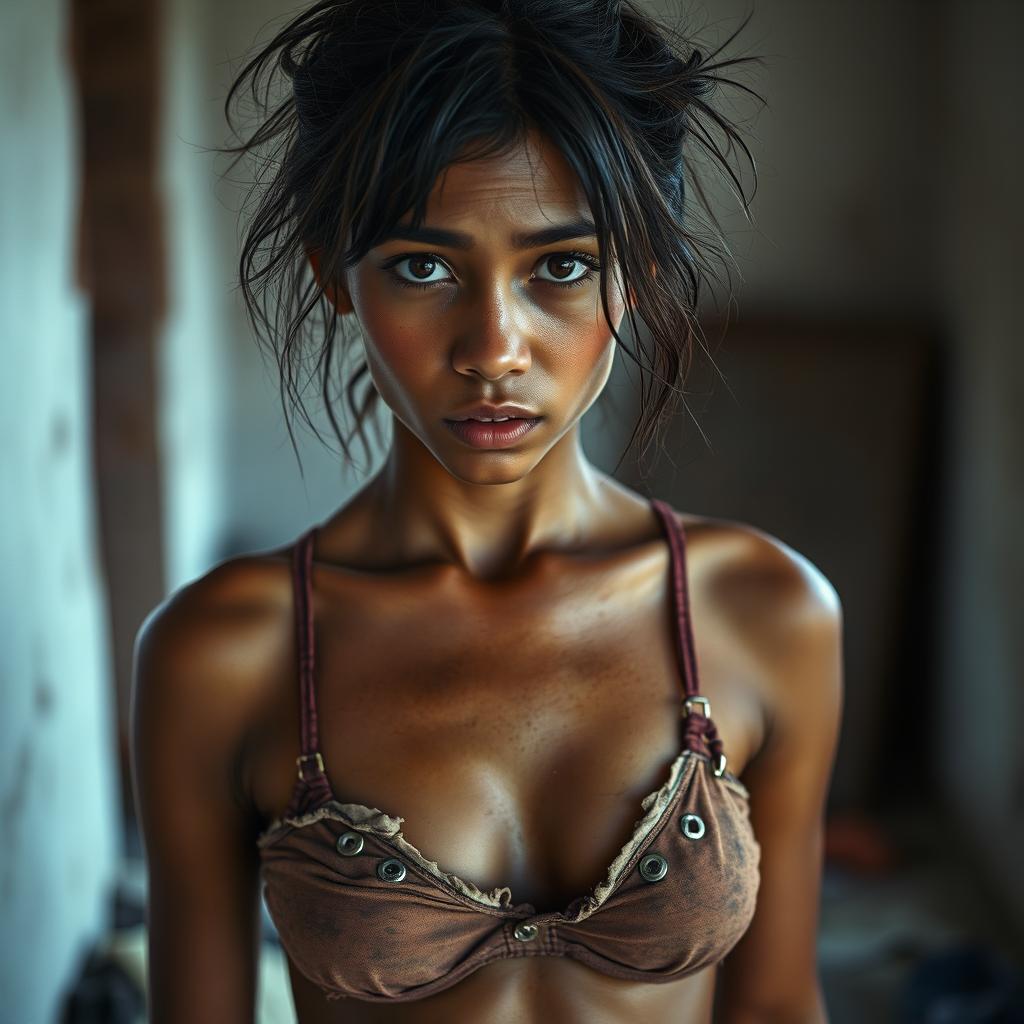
point(310, 763)
point(680, 597)
point(700, 732)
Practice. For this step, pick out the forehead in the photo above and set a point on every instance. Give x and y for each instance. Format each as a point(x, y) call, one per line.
point(524, 186)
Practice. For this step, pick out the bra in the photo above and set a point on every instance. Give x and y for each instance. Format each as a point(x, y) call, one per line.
point(362, 913)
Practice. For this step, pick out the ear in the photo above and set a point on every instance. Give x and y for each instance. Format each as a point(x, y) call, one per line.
point(336, 292)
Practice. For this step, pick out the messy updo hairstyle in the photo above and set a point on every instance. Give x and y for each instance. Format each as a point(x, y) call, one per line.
point(363, 103)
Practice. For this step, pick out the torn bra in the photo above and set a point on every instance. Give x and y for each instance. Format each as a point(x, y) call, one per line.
point(363, 914)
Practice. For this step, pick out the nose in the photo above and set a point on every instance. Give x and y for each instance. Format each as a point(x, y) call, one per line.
point(494, 339)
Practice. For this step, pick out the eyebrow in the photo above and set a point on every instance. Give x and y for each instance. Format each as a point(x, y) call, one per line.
point(520, 240)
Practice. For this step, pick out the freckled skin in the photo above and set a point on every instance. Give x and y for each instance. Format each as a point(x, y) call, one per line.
point(495, 659)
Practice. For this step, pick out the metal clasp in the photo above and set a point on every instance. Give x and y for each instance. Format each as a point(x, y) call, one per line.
point(310, 757)
point(706, 705)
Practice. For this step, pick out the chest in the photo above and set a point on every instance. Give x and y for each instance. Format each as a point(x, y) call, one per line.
point(514, 728)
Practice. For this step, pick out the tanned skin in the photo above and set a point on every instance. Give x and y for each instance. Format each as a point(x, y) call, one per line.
point(496, 661)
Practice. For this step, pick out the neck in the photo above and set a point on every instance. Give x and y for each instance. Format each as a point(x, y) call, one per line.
point(492, 518)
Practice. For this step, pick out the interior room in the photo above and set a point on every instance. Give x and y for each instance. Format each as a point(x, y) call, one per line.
point(859, 398)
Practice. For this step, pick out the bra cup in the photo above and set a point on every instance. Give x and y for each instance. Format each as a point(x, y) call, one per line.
point(350, 932)
point(353, 933)
point(703, 904)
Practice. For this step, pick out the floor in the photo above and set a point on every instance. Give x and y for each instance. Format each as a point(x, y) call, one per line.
point(926, 943)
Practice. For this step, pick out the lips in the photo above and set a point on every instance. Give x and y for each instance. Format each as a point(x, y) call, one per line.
point(490, 411)
point(494, 434)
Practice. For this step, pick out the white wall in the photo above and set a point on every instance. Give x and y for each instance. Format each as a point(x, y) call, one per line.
point(231, 479)
point(58, 800)
point(193, 357)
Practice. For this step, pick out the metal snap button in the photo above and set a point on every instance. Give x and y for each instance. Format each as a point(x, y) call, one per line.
point(349, 844)
point(653, 867)
point(391, 870)
point(524, 932)
point(692, 826)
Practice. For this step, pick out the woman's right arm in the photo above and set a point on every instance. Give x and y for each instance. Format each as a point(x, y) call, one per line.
point(194, 678)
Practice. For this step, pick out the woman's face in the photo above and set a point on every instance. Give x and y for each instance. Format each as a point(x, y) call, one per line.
point(471, 310)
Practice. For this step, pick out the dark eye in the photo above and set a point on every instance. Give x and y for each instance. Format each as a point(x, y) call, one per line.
point(423, 267)
point(567, 268)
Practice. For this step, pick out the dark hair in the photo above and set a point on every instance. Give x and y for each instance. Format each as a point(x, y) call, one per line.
point(384, 96)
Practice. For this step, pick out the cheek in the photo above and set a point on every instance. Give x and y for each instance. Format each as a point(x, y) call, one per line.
point(591, 368)
point(400, 368)
point(396, 341)
point(583, 356)
point(586, 361)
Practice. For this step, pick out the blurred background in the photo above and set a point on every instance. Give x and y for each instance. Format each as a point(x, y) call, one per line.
point(865, 406)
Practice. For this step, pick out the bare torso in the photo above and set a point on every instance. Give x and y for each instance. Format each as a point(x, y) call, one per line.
point(515, 725)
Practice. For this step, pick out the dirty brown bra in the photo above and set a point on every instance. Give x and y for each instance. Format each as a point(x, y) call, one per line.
point(362, 913)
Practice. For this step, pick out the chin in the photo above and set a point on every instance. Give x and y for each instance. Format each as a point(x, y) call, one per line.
point(494, 467)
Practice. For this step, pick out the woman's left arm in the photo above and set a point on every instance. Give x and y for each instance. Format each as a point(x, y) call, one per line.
point(771, 975)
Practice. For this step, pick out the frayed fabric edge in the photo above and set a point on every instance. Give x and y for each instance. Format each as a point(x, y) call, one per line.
point(377, 822)
point(653, 805)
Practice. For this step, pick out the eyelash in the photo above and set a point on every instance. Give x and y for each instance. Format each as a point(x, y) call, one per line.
point(583, 257)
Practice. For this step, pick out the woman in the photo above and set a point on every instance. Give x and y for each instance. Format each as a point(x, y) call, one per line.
point(461, 730)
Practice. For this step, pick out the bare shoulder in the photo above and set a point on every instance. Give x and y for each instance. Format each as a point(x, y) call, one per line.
point(230, 605)
point(759, 576)
point(209, 656)
point(783, 611)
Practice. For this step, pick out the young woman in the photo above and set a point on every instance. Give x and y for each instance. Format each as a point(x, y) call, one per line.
point(459, 733)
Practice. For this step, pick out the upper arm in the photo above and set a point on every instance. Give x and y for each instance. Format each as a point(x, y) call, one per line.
point(771, 974)
point(187, 723)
